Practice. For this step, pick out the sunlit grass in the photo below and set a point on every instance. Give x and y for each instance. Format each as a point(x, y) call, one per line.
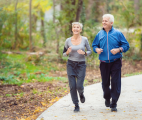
point(16, 69)
point(132, 74)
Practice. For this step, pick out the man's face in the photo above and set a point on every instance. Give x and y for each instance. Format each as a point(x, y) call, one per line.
point(106, 23)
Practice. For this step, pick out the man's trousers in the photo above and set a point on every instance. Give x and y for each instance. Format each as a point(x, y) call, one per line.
point(111, 80)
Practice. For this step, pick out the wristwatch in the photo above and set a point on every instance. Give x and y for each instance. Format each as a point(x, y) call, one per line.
point(120, 50)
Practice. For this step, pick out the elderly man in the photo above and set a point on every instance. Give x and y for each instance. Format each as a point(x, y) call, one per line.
point(109, 43)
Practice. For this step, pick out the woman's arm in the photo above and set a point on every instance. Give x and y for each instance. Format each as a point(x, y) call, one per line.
point(67, 49)
point(89, 51)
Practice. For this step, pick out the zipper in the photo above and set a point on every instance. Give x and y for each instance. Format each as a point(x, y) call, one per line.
point(107, 46)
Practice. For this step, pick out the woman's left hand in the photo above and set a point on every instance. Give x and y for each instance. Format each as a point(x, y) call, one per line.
point(81, 52)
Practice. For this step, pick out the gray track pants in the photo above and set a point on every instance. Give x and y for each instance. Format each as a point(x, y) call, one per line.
point(76, 74)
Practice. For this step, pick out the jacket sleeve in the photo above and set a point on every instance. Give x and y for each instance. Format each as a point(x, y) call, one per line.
point(124, 43)
point(65, 48)
point(89, 51)
point(95, 43)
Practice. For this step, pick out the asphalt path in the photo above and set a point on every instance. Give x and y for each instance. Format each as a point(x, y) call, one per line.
point(129, 105)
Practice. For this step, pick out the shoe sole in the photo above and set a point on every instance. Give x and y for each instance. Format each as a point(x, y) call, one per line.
point(114, 110)
point(76, 111)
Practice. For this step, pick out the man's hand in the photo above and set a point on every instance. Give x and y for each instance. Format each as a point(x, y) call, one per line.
point(99, 50)
point(115, 51)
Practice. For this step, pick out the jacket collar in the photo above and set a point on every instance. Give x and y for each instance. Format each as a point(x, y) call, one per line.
point(109, 30)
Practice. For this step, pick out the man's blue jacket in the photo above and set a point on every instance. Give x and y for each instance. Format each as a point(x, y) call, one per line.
point(108, 41)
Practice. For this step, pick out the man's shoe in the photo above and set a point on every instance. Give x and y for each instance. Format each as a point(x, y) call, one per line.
point(76, 109)
point(114, 109)
point(107, 103)
point(82, 98)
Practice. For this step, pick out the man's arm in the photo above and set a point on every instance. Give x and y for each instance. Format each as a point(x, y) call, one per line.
point(95, 45)
point(124, 43)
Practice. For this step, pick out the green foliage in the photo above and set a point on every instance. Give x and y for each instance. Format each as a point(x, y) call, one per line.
point(59, 29)
point(127, 12)
point(12, 16)
point(19, 95)
point(138, 38)
point(8, 95)
point(128, 75)
point(17, 70)
point(34, 91)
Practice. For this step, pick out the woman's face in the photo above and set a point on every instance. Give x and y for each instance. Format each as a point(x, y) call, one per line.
point(76, 29)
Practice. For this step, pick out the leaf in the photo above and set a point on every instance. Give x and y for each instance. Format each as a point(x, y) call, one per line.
point(43, 104)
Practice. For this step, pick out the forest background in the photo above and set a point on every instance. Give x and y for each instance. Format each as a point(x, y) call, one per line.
point(32, 37)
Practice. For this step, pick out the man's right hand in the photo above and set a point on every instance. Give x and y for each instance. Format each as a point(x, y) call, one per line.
point(99, 50)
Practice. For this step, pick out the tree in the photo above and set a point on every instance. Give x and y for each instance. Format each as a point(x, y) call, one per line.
point(54, 17)
point(30, 25)
point(70, 12)
point(43, 29)
point(16, 32)
point(79, 8)
point(42, 6)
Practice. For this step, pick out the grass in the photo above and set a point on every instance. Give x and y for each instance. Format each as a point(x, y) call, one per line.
point(132, 74)
point(8, 95)
point(19, 69)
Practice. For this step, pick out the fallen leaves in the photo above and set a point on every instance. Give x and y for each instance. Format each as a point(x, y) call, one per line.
point(37, 110)
point(24, 104)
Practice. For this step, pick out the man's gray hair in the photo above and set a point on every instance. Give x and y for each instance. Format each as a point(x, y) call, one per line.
point(77, 23)
point(110, 16)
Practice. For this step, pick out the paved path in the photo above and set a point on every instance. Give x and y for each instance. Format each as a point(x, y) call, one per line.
point(129, 104)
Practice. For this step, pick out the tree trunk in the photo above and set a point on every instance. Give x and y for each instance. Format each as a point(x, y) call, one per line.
point(68, 9)
point(16, 33)
point(79, 8)
point(57, 36)
point(107, 6)
point(30, 25)
point(136, 7)
point(43, 29)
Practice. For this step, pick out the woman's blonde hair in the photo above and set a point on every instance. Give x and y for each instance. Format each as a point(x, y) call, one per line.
point(78, 23)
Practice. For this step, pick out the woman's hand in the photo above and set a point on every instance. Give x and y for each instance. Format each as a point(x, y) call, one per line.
point(68, 51)
point(81, 52)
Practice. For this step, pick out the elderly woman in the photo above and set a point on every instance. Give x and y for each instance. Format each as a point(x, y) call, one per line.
point(76, 67)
